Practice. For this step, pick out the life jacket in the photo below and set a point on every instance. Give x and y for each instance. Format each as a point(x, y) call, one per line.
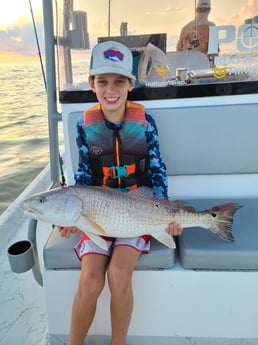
point(118, 155)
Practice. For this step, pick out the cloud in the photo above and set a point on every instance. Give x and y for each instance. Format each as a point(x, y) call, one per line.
point(247, 10)
point(170, 10)
point(165, 11)
point(19, 38)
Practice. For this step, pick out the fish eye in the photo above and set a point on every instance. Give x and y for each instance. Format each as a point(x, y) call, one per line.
point(41, 199)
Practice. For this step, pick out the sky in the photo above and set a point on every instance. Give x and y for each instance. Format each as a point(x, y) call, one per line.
point(17, 39)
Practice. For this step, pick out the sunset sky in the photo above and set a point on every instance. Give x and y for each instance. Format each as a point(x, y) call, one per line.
point(17, 40)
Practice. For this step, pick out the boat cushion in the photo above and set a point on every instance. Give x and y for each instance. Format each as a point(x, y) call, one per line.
point(59, 254)
point(201, 249)
point(205, 156)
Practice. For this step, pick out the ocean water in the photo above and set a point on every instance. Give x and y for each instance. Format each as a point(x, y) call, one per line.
point(24, 147)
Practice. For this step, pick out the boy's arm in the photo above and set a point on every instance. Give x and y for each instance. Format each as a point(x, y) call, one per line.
point(157, 168)
point(83, 176)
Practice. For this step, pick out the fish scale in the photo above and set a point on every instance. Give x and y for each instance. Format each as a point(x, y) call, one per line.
point(126, 210)
point(105, 211)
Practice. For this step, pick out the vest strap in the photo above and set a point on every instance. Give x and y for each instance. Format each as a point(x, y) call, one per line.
point(128, 189)
point(116, 171)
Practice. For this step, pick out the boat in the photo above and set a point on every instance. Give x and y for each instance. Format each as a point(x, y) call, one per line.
point(203, 292)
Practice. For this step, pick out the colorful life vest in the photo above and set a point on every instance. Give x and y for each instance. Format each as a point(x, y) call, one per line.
point(118, 155)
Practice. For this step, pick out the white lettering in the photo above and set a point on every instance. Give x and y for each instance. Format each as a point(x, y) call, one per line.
point(224, 60)
point(241, 71)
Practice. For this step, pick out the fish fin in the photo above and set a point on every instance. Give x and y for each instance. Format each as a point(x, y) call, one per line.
point(88, 225)
point(93, 231)
point(147, 193)
point(221, 224)
point(182, 205)
point(165, 238)
point(98, 240)
point(98, 227)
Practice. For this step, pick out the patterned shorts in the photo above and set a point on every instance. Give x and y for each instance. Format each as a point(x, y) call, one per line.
point(87, 246)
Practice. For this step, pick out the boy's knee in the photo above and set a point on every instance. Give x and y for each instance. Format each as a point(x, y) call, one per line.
point(119, 280)
point(91, 285)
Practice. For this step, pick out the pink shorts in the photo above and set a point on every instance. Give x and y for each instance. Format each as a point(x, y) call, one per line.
point(87, 246)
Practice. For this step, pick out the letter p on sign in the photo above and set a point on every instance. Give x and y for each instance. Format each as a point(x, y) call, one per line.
point(219, 35)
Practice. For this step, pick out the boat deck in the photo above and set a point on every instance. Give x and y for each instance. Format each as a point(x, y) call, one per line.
point(23, 318)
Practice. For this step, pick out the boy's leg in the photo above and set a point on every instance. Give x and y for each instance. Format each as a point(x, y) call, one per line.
point(91, 283)
point(120, 273)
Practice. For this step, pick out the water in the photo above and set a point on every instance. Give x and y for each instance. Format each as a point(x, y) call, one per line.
point(24, 147)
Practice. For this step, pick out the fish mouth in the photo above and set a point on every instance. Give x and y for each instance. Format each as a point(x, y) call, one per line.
point(30, 211)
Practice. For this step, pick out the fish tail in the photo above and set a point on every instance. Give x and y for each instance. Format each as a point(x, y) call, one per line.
point(222, 220)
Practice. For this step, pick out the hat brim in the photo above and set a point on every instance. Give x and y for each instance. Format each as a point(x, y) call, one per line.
point(111, 69)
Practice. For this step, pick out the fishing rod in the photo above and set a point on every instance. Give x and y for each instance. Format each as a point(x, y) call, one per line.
point(195, 41)
point(109, 15)
point(38, 46)
point(45, 82)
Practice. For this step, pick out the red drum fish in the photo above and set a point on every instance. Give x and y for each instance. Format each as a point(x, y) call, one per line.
point(108, 212)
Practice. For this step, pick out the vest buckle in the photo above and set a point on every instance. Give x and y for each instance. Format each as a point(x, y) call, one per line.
point(117, 171)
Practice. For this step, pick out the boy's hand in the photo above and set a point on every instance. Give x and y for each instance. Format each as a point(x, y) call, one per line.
point(174, 229)
point(67, 231)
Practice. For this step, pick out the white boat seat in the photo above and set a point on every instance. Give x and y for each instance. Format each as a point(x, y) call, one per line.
point(192, 144)
point(200, 249)
point(59, 254)
point(197, 247)
point(218, 145)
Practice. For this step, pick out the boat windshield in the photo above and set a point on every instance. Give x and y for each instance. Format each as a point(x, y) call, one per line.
point(180, 48)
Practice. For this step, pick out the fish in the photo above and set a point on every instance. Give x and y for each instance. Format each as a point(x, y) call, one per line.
point(100, 211)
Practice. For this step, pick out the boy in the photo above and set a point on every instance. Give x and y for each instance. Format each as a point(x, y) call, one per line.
point(118, 148)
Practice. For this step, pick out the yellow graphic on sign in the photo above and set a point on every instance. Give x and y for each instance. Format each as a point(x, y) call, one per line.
point(162, 71)
point(219, 72)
